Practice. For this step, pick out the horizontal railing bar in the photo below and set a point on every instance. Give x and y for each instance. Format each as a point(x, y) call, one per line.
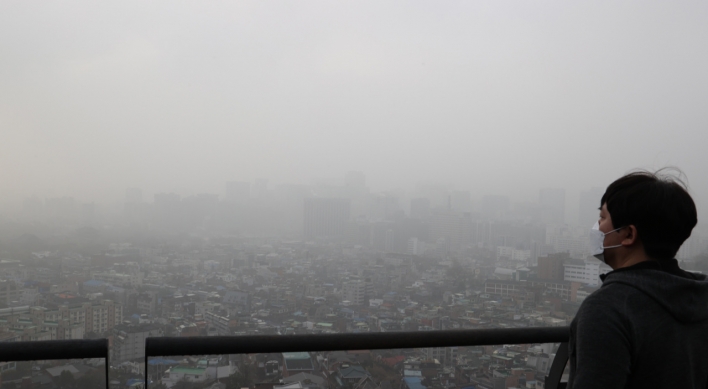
point(53, 349)
point(251, 344)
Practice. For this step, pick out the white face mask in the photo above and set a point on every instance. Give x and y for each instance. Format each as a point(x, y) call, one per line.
point(597, 241)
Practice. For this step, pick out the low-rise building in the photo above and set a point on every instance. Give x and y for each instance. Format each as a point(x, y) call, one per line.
point(184, 373)
point(129, 341)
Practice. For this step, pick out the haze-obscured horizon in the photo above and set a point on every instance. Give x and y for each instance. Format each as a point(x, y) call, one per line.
point(493, 98)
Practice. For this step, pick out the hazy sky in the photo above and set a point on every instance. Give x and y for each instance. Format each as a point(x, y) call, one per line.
point(496, 96)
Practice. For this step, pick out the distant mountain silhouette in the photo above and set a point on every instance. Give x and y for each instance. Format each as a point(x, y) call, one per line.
point(29, 241)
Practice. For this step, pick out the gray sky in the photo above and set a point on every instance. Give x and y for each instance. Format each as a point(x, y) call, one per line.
point(497, 97)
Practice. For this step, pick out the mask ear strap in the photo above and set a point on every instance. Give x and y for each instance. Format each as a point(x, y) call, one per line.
point(611, 247)
point(616, 229)
point(615, 246)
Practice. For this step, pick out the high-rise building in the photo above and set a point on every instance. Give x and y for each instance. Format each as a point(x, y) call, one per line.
point(129, 341)
point(514, 254)
point(584, 271)
point(414, 246)
point(444, 355)
point(168, 211)
point(60, 207)
point(552, 201)
point(588, 209)
point(357, 291)
point(384, 206)
point(551, 267)
point(237, 191)
point(460, 201)
point(96, 318)
point(390, 244)
point(447, 226)
point(420, 208)
point(494, 206)
point(326, 218)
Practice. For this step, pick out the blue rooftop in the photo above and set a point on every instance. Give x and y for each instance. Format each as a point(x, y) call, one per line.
point(413, 382)
point(162, 361)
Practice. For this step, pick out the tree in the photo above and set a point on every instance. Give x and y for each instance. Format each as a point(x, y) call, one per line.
point(66, 380)
point(459, 275)
point(94, 379)
point(184, 384)
point(238, 381)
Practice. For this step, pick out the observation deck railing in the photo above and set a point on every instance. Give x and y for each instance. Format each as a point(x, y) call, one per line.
point(211, 345)
point(171, 346)
point(55, 349)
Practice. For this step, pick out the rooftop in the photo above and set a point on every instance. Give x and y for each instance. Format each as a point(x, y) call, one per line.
point(188, 370)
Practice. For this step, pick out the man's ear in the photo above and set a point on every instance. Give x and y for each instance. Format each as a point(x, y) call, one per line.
point(631, 236)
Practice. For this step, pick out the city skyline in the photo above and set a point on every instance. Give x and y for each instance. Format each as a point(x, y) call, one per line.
point(241, 169)
point(504, 97)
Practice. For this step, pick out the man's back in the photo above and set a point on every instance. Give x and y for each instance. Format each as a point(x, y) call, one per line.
point(646, 327)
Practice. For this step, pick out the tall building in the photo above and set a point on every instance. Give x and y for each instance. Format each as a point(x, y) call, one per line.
point(9, 291)
point(357, 291)
point(588, 212)
point(550, 267)
point(237, 191)
point(494, 206)
point(60, 207)
point(514, 254)
point(29, 325)
point(461, 201)
point(326, 218)
point(129, 341)
point(444, 355)
point(102, 317)
point(383, 206)
point(64, 322)
point(414, 246)
point(390, 244)
point(584, 271)
point(451, 227)
point(552, 201)
point(420, 208)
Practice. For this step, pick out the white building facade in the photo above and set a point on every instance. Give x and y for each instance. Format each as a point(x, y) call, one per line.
point(587, 272)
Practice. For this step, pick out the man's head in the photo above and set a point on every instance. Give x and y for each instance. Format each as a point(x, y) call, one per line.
point(654, 215)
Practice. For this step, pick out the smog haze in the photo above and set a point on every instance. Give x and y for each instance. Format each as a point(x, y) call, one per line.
point(489, 97)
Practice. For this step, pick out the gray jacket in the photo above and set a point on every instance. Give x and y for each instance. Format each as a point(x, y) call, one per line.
point(646, 327)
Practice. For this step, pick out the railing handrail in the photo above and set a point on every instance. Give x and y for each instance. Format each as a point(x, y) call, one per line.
point(54, 349)
point(251, 344)
point(43, 350)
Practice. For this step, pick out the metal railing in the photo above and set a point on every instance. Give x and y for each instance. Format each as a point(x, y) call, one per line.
point(202, 345)
point(55, 349)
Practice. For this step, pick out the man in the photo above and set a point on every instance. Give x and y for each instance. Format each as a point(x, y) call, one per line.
point(647, 326)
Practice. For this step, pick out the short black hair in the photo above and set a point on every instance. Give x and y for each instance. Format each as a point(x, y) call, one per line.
point(658, 205)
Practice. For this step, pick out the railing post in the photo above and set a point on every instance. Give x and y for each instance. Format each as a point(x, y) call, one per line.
point(554, 376)
point(108, 353)
point(56, 349)
point(146, 364)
